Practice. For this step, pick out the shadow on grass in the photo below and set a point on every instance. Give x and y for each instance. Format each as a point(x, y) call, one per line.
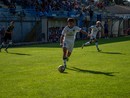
point(65, 72)
point(19, 53)
point(91, 71)
point(111, 53)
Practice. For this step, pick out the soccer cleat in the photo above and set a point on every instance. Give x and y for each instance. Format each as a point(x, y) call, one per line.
point(6, 50)
point(99, 50)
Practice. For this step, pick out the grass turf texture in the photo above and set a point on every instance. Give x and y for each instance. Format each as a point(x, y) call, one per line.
point(31, 71)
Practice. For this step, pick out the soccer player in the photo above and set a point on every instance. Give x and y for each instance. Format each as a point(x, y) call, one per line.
point(67, 38)
point(8, 37)
point(94, 30)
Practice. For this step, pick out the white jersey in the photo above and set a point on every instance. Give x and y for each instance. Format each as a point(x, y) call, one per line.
point(95, 30)
point(70, 33)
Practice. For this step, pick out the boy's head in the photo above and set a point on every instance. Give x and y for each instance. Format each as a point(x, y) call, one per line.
point(71, 22)
point(98, 23)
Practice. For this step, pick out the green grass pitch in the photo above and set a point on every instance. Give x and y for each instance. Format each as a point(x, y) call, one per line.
point(31, 71)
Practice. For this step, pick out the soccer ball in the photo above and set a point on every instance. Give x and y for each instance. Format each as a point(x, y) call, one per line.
point(61, 68)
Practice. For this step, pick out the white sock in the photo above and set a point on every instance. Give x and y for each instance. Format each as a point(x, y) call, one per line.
point(64, 61)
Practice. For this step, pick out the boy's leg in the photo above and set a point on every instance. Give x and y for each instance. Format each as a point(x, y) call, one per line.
point(3, 42)
point(1, 46)
point(96, 43)
point(67, 50)
point(9, 43)
point(70, 49)
point(7, 47)
point(64, 55)
point(68, 54)
point(87, 43)
point(9, 40)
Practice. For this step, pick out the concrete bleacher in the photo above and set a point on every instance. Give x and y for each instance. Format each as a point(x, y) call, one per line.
point(31, 11)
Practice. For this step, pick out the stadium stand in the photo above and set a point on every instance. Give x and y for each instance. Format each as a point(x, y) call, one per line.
point(55, 8)
point(82, 10)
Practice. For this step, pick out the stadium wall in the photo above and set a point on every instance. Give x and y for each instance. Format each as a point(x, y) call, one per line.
point(28, 30)
point(23, 27)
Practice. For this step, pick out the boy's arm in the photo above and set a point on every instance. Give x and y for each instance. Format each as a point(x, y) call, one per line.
point(61, 40)
point(84, 32)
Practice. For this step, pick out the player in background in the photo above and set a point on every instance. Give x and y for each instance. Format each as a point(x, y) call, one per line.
point(67, 38)
point(8, 36)
point(94, 30)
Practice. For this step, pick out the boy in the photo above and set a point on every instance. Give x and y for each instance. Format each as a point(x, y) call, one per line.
point(8, 36)
point(67, 38)
point(94, 30)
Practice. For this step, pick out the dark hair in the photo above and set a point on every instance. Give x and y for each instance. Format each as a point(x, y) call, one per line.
point(70, 20)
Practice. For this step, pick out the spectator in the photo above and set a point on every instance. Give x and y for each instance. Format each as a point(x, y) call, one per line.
point(106, 29)
point(54, 34)
point(13, 1)
point(91, 13)
point(128, 31)
point(12, 8)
